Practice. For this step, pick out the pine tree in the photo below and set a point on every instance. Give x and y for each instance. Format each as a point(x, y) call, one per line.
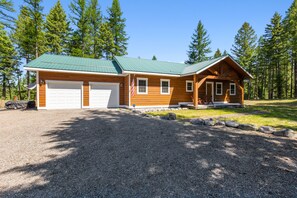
point(36, 16)
point(291, 30)
point(95, 22)
point(261, 65)
point(8, 61)
point(200, 45)
point(244, 49)
point(22, 37)
point(29, 34)
point(106, 42)
point(6, 7)
point(217, 54)
point(117, 25)
point(154, 58)
point(80, 41)
point(274, 36)
point(225, 53)
point(57, 30)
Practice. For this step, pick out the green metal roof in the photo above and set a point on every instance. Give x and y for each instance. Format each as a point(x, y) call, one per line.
point(69, 63)
point(119, 65)
point(149, 66)
point(200, 66)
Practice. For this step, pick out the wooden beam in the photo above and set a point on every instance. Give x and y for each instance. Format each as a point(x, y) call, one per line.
point(241, 86)
point(217, 77)
point(195, 91)
point(213, 71)
point(201, 82)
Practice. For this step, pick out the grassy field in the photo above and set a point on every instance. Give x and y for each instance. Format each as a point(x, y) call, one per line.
point(276, 113)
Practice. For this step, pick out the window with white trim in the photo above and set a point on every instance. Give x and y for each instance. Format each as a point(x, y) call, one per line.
point(219, 88)
point(142, 85)
point(165, 86)
point(232, 89)
point(189, 86)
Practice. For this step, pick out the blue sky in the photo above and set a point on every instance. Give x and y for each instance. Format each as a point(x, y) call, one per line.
point(164, 27)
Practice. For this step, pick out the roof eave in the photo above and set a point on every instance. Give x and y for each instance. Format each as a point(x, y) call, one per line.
point(150, 73)
point(70, 71)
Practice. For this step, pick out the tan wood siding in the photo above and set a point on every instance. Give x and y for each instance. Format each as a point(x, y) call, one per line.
point(79, 77)
point(223, 69)
point(86, 92)
point(154, 97)
point(225, 97)
point(126, 90)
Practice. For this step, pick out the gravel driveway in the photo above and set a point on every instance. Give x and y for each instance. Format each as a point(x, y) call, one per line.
point(85, 153)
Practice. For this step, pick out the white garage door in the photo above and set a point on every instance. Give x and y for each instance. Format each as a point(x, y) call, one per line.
point(63, 95)
point(103, 95)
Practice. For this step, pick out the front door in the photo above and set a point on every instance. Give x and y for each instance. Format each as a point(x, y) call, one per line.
point(209, 92)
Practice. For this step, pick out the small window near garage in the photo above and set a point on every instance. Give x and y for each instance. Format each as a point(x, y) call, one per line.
point(232, 89)
point(165, 86)
point(142, 85)
point(189, 86)
point(219, 88)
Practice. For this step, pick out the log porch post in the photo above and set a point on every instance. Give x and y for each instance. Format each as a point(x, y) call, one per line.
point(195, 91)
point(241, 83)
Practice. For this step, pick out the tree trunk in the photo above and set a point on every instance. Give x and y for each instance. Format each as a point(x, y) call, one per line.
point(272, 84)
point(292, 77)
point(19, 87)
point(9, 89)
point(295, 76)
point(286, 79)
point(249, 90)
point(28, 78)
point(4, 86)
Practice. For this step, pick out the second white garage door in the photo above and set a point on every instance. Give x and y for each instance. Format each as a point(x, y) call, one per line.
point(104, 95)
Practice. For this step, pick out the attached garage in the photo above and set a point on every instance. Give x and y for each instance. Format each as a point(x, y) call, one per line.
point(104, 95)
point(64, 94)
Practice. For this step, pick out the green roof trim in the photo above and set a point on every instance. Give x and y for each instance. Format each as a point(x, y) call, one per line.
point(70, 63)
point(120, 65)
point(197, 67)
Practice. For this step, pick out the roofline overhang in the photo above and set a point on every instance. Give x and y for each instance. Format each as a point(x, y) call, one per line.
point(149, 73)
point(193, 73)
point(73, 72)
point(209, 66)
point(250, 75)
point(223, 58)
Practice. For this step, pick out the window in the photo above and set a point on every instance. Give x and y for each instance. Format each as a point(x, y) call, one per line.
point(165, 86)
point(219, 88)
point(232, 89)
point(189, 86)
point(142, 85)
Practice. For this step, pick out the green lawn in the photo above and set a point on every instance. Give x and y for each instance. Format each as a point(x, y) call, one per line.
point(276, 113)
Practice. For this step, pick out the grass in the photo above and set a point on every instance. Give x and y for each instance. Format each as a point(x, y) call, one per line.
point(275, 113)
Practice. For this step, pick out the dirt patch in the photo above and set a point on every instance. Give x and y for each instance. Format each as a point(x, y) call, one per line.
point(2, 104)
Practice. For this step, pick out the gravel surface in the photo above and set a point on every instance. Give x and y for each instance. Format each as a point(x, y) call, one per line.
point(114, 153)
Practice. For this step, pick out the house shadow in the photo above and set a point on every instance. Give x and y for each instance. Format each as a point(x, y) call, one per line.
point(118, 154)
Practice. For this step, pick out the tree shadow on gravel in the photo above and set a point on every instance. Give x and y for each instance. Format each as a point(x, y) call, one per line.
point(117, 154)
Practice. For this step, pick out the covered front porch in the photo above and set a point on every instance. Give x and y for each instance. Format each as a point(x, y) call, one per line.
point(217, 91)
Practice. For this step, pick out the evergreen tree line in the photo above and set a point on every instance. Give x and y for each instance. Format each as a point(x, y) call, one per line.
point(271, 59)
point(85, 33)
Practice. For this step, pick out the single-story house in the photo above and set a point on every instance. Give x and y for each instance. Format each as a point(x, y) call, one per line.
point(73, 82)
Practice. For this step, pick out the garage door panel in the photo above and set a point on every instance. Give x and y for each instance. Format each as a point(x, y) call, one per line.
point(63, 95)
point(103, 95)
